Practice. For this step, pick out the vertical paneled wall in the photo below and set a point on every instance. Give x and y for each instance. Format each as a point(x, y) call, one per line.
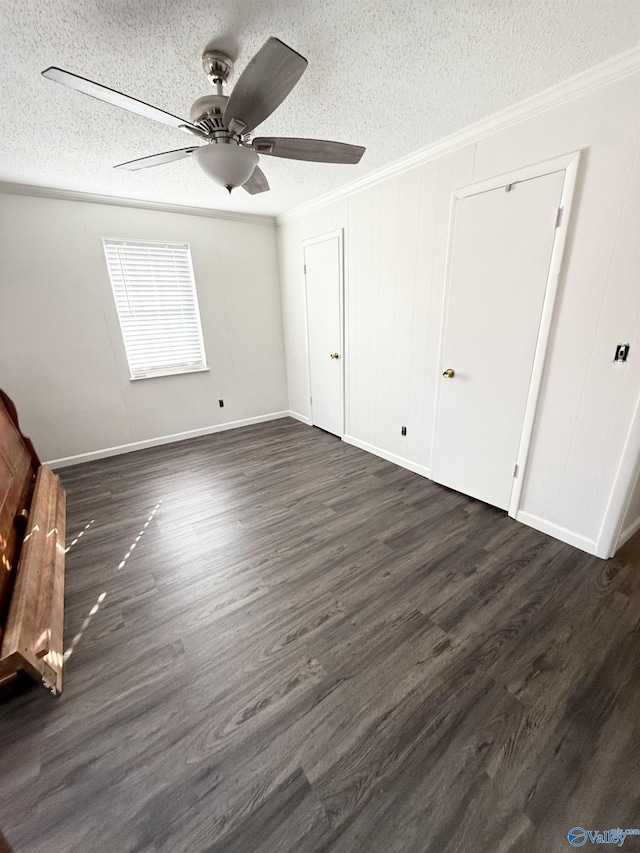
point(396, 235)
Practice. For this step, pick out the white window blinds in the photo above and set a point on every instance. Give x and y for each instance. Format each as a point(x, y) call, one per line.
point(156, 298)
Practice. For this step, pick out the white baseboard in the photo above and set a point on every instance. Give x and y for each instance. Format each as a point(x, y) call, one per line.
point(162, 439)
point(628, 532)
point(558, 532)
point(390, 457)
point(302, 418)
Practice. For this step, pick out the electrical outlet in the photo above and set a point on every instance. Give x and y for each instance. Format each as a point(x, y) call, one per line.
point(622, 351)
point(221, 403)
point(403, 430)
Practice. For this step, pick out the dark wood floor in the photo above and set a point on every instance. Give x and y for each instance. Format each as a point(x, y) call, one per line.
point(310, 649)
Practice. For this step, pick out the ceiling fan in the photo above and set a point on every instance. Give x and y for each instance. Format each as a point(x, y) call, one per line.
point(225, 122)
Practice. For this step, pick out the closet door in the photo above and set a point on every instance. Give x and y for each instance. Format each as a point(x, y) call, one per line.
point(499, 263)
point(323, 277)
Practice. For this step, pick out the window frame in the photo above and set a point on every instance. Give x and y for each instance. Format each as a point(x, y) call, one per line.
point(170, 371)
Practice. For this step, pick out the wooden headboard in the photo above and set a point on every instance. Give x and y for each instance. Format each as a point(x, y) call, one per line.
point(32, 556)
point(18, 465)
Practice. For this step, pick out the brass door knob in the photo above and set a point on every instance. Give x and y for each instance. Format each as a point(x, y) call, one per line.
point(449, 373)
point(335, 355)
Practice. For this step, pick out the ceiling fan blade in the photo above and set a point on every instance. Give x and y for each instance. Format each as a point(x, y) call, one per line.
point(316, 150)
point(110, 96)
point(263, 85)
point(156, 159)
point(257, 183)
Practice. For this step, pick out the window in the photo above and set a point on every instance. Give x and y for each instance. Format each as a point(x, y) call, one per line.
point(157, 304)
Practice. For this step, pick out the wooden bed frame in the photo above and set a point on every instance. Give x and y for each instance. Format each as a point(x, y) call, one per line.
point(32, 537)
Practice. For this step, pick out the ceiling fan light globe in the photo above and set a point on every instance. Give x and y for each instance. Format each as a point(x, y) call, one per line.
point(229, 165)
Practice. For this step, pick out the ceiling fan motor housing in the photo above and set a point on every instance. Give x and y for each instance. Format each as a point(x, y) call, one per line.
point(208, 111)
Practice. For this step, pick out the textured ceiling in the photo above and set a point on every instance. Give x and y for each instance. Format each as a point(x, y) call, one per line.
point(393, 76)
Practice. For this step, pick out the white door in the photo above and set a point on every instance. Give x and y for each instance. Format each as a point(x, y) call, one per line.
point(499, 264)
point(323, 275)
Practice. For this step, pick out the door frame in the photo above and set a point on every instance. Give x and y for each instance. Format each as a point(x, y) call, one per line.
point(322, 238)
point(569, 164)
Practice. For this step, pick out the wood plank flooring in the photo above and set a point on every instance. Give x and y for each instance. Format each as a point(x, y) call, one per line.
point(282, 644)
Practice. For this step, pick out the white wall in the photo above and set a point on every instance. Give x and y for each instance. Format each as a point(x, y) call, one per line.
point(396, 237)
point(62, 357)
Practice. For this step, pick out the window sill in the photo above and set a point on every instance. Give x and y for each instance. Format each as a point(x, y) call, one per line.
point(169, 373)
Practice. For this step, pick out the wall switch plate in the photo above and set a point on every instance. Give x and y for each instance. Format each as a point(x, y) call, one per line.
point(221, 403)
point(403, 430)
point(622, 351)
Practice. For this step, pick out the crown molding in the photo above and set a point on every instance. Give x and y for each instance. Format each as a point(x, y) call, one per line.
point(74, 195)
point(610, 71)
